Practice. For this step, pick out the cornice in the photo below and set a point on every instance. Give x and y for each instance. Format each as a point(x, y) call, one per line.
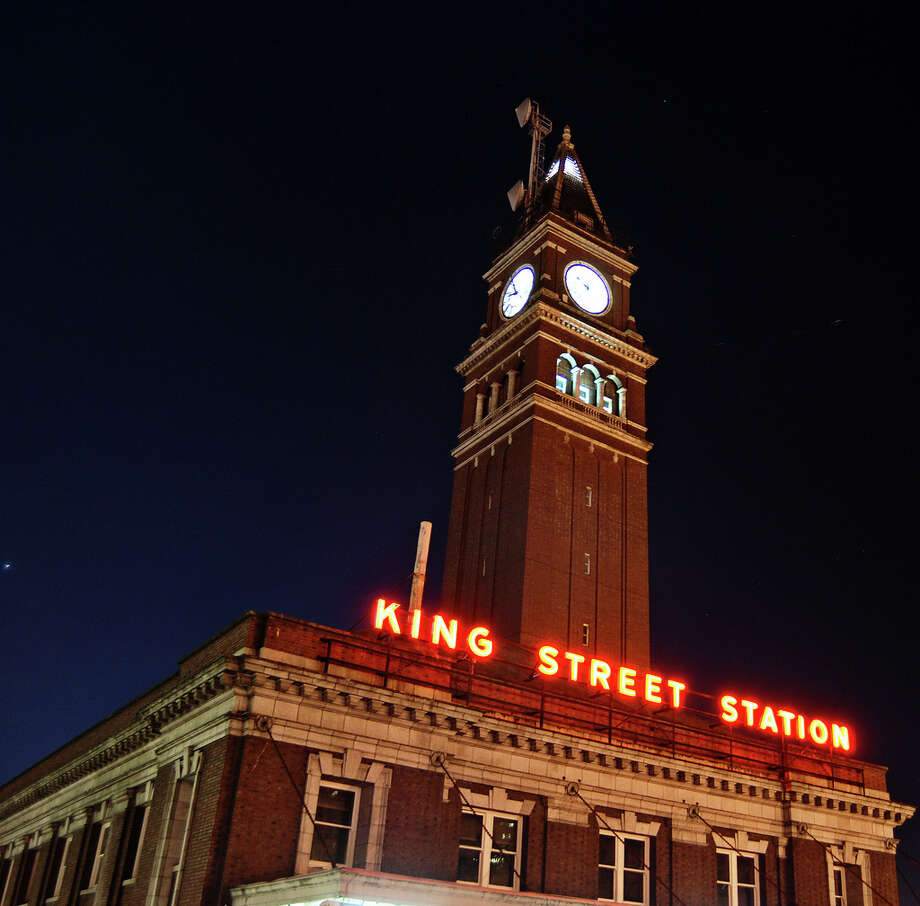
point(539, 311)
point(664, 779)
point(561, 231)
point(147, 727)
point(494, 427)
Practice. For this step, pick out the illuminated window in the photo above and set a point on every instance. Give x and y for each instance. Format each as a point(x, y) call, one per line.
point(490, 849)
point(737, 879)
point(588, 495)
point(613, 398)
point(587, 564)
point(587, 388)
point(564, 365)
point(585, 633)
point(838, 887)
point(336, 816)
point(622, 872)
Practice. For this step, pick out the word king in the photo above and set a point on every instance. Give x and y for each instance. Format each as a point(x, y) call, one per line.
point(616, 679)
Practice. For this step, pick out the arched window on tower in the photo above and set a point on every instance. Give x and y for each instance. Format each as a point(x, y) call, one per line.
point(615, 396)
point(564, 365)
point(587, 386)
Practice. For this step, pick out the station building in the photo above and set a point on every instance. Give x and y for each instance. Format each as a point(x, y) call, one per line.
point(515, 747)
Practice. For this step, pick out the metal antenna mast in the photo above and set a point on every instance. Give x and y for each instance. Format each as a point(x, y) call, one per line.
point(528, 114)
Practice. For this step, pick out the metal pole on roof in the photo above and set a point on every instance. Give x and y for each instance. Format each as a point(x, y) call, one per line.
point(421, 565)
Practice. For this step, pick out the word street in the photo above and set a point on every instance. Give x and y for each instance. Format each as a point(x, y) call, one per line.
point(620, 680)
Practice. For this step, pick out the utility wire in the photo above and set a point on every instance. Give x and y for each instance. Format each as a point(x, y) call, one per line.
point(849, 869)
point(730, 845)
point(266, 725)
point(438, 762)
point(573, 790)
point(910, 886)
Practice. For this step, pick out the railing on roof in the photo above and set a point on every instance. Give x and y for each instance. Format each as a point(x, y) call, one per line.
point(594, 412)
point(596, 718)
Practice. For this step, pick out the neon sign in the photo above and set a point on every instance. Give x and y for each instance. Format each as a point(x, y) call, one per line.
point(622, 680)
point(764, 717)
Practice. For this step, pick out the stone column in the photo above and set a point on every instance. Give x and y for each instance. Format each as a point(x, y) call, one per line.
point(480, 402)
point(493, 396)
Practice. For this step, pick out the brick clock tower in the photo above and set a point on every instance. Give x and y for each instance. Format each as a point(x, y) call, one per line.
point(548, 535)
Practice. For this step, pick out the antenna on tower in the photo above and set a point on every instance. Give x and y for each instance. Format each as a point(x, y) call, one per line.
point(528, 114)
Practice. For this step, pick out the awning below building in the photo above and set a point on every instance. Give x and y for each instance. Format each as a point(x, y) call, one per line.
point(356, 887)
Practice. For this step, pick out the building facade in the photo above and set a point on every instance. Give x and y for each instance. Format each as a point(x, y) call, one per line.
point(518, 749)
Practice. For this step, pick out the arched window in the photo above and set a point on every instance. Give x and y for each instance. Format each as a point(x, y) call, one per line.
point(587, 386)
point(615, 396)
point(564, 365)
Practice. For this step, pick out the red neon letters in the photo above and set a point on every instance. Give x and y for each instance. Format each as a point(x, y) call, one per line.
point(781, 721)
point(598, 672)
point(623, 680)
point(440, 631)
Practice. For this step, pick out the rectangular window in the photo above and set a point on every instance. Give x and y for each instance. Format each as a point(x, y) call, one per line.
point(839, 887)
point(587, 564)
point(21, 894)
point(133, 841)
point(585, 633)
point(89, 855)
point(622, 872)
point(334, 832)
point(737, 879)
point(588, 495)
point(56, 865)
point(5, 865)
point(95, 855)
point(490, 849)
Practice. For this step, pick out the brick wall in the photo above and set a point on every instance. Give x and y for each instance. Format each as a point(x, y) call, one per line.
point(199, 849)
point(422, 835)
point(809, 865)
point(694, 873)
point(266, 806)
point(884, 876)
point(571, 859)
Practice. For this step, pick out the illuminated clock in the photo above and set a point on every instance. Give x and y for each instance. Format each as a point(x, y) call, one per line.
point(517, 292)
point(588, 289)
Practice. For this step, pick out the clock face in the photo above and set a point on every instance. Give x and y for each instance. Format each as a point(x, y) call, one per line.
point(517, 292)
point(588, 289)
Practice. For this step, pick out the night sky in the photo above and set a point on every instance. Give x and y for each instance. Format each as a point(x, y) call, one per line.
point(241, 252)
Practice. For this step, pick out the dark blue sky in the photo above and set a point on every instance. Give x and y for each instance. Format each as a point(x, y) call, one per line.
point(242, 252)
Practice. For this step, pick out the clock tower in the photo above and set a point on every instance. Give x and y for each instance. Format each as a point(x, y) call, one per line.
point(548, 535)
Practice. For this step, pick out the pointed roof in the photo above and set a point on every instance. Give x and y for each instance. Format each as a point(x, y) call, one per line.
point(566, 189)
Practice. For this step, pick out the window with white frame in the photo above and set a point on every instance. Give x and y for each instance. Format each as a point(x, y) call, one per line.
point(24, 881)
point(737, 879)
point(622, 872)
point(99, 855)
point(336, 818)
point(490, 849)
point(57, 864)
point(564, 365)
point(838, 883)
point(134, 840)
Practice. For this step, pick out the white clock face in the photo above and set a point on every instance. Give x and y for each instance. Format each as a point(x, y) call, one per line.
point(588, 289)
point(517, 292)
